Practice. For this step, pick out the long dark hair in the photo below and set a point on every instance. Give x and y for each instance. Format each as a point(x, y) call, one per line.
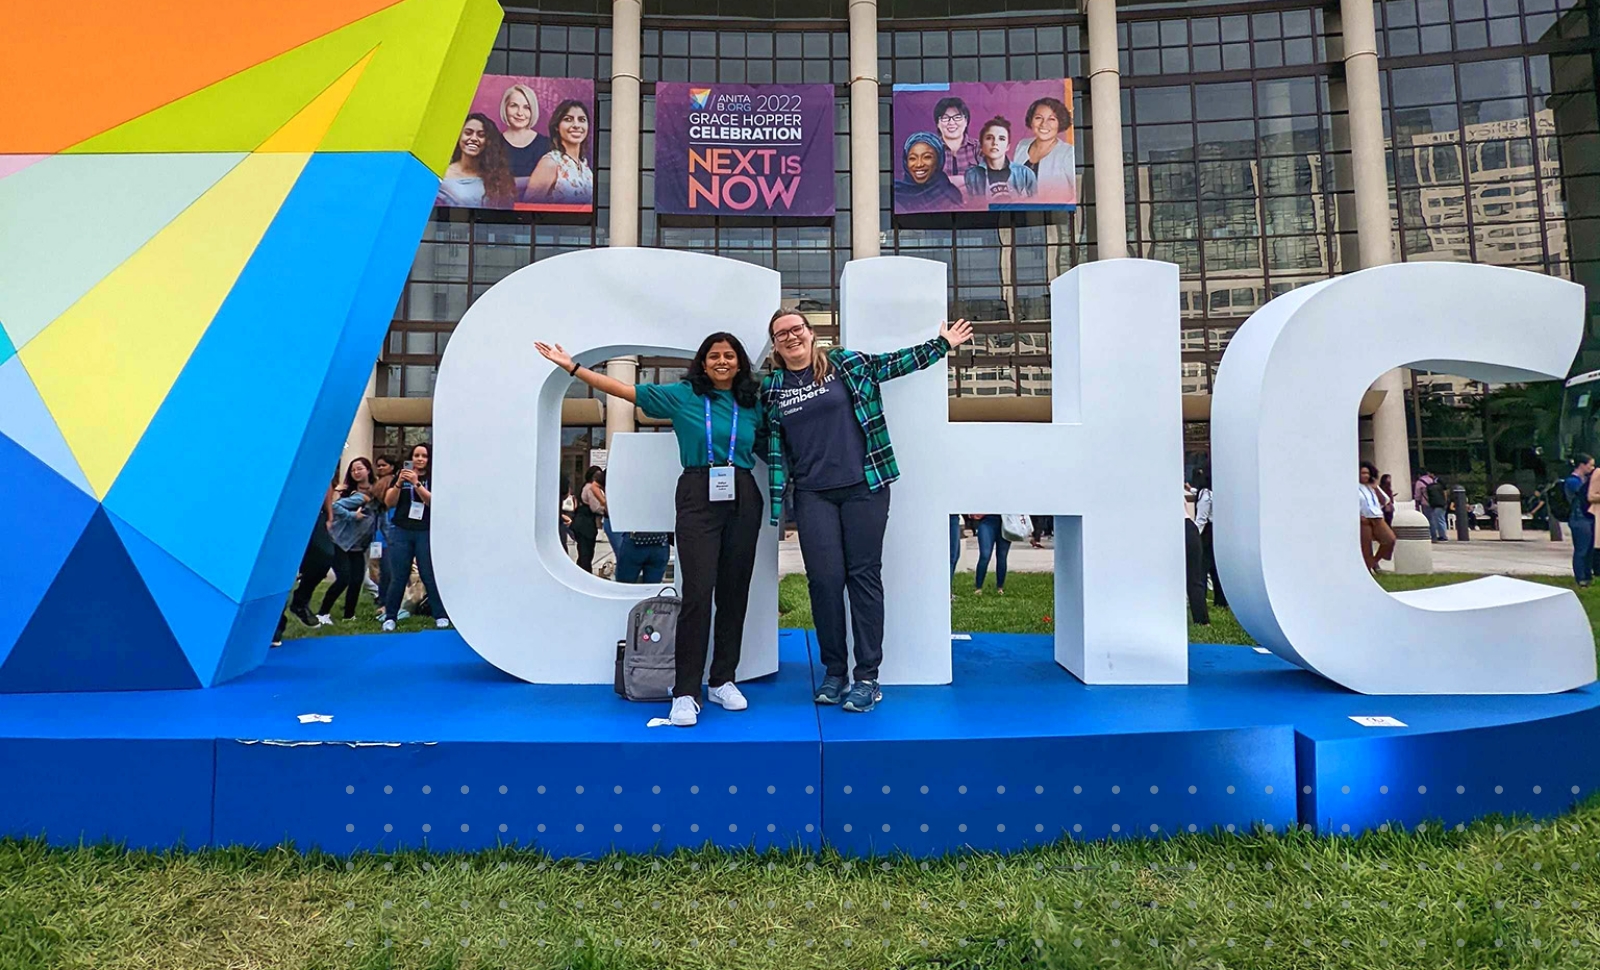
point(1372, 473)
point(555, 124)
point(426, 475)
point(746, 389)
point(494, 166)
point(350, 486)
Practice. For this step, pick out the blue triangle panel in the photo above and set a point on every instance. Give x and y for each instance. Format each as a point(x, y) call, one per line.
point(42, 516)
point(387, 263)
point(250, 639)
point(200, 616)
point(7, 349)
point(97, 628)
point(297, 301)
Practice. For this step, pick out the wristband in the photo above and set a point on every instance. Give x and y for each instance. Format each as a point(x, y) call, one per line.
point(575, 367)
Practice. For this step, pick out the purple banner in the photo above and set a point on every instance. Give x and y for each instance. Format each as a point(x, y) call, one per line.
point(983, 146)
point(527, 144)
point(744, 149)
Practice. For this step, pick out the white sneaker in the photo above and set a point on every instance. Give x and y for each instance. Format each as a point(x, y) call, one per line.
point(729, 697)
point(685, 712)
point(441, 624)
point(388, 626)
point(324, 619)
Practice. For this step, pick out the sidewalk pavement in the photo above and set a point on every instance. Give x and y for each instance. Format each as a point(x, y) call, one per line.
point(1484, 553)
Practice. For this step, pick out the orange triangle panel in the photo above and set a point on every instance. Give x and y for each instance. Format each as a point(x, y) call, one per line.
point(137, 55)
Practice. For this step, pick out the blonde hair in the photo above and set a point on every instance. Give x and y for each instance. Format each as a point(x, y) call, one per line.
point(533, 105)
point(821, 366)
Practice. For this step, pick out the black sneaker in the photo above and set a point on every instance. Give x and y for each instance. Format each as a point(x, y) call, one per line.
point(832, 690)
point(863, 695)
point(303, 615)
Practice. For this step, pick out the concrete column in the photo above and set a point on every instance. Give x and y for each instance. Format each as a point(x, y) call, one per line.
point(864, 197)
point(358, 443)
point(1372, 215)
point(1105, 107)
point(625, 44)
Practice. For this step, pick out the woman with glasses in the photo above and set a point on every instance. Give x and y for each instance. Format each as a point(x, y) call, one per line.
point(951, 118)
point(714, 413)
point(825, 434)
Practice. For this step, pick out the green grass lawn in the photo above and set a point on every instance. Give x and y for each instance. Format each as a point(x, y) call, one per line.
point(1502, 893)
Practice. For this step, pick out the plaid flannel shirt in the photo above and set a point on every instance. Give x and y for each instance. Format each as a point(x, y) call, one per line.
point(862, 374)
point(957, 162)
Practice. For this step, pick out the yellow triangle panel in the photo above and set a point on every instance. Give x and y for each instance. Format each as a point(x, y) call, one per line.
point(105, 365)
point(305, 131)
point(425, 60)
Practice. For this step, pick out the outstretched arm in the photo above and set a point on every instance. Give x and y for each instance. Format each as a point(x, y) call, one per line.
point(886, 367)
point(600, 382)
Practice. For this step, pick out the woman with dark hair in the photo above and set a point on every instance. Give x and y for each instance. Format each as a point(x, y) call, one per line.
point(479, 175)
point(1048, 154)
point(1386, 499)
point(714, 413)
point(411, 497)
point(824, 432)
point(996, 179)
point(563, 177)
point(354, 518)
point(1373, 529)
point(586, 517)
point(926, 188)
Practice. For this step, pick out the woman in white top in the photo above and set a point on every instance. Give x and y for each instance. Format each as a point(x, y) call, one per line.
point(477, 176)
point(1048, 153)
point(1200, 480)
point(1373, 528)
point(563, 177)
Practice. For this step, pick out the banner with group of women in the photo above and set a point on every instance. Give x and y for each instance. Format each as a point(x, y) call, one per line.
point(984, 147)
point(527, 143)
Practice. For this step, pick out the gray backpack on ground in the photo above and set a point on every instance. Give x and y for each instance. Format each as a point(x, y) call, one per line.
point(647, 666)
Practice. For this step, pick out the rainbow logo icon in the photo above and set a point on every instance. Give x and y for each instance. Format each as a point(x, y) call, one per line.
point(698, 98)
point(204, 227)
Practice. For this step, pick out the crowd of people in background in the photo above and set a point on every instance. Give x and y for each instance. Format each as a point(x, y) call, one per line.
point(371, 530)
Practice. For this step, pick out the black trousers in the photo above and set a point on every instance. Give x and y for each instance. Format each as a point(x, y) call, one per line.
point(1195, 572)
point(1207, 549)
point(349, 569)
point(313, 566)
point(841, 540)
point(716, 555)
point(585, 532)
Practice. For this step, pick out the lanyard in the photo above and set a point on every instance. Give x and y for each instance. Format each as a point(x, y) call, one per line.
point(733, 436)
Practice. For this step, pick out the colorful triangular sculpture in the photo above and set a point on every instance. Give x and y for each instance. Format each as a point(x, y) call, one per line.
point(257, 174)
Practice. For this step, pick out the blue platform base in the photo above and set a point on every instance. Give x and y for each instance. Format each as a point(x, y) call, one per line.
point(429, 746)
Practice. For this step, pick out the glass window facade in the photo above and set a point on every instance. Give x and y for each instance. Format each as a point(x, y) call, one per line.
point(1236, 163)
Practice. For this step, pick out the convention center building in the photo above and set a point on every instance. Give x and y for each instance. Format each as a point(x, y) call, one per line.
point(1259, 146)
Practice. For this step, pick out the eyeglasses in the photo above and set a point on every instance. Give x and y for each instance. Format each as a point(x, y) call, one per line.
point(951, 119)
point(790, 333)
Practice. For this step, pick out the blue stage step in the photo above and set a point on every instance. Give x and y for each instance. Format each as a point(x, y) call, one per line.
point(430, 746)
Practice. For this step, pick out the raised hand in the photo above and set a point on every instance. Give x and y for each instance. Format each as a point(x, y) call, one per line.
point(956, 333)
point(554, 354)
